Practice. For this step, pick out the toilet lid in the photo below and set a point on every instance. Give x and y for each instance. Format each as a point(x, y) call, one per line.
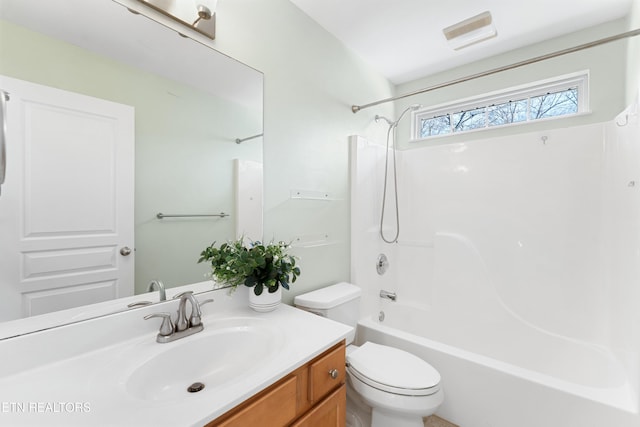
point(394, 370)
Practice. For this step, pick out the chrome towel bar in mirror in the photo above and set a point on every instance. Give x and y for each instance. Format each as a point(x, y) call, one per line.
point(161, 215)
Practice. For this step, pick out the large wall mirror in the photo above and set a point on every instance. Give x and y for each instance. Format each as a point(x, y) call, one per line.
point(190, 105)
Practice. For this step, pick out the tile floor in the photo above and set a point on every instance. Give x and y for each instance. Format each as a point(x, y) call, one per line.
point(435, 421)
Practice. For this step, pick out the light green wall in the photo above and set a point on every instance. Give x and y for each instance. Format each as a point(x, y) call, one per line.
point(606, 64)
point(184, 147)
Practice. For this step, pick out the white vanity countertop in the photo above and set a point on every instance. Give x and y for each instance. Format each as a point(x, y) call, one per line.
point(47, 384)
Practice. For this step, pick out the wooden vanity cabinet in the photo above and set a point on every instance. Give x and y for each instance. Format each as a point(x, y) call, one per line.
point(313, 395)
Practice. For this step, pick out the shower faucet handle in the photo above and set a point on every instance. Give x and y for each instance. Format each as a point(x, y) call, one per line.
point(382, 264)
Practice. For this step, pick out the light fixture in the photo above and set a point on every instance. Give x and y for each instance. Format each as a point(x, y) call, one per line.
point(470, 31)
point(199, 15)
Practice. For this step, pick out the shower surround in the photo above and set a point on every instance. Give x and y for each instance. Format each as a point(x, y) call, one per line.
point(517, 271)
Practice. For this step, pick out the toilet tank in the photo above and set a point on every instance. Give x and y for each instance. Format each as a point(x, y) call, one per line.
point(339, 302)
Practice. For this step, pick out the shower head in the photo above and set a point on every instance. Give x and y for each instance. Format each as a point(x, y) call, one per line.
point(413, 107)
point(378, 118)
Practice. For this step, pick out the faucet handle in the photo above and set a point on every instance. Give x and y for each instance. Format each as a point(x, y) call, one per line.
point(166, 328)
point(138, 304)
point(196, 314)
point(181, 294)
point(207, 301)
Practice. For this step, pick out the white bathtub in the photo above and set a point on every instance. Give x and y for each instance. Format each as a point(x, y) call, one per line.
point(505, 374)
point(516, 272)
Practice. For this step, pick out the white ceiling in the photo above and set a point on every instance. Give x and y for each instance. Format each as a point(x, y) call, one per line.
point(403, 39)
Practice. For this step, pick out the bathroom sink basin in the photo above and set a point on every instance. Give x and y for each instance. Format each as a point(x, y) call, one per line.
point(213, 357)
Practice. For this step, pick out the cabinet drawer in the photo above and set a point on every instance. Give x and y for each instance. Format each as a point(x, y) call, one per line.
point(326, 374)
point(273, 409)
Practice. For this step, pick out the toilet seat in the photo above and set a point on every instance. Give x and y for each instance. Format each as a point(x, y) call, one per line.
point(392, 370)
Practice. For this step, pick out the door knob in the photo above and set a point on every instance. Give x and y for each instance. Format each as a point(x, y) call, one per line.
point(125, 251)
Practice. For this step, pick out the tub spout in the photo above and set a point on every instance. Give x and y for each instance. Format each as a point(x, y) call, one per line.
point(388, 295)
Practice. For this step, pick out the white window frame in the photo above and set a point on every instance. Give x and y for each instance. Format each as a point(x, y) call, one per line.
point(579, 80)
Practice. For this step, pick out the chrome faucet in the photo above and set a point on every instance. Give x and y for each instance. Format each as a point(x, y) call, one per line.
point(170, 331)
point(181, 321)
point(157, 284)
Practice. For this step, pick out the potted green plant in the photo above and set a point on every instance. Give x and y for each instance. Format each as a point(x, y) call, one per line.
point(260, 266)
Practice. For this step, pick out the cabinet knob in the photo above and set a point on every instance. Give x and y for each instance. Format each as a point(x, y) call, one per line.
point(334, 373)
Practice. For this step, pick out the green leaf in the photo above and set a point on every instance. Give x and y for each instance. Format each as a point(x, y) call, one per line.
point(254, 265)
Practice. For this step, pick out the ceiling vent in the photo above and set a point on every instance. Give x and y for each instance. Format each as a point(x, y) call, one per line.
point(470, 31)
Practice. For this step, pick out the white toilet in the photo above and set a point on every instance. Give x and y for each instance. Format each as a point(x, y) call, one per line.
point(400, 388)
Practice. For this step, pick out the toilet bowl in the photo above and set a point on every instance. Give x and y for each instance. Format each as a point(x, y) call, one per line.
point(398, 387)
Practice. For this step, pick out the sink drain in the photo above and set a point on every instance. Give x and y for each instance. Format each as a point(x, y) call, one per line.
point(195, 387)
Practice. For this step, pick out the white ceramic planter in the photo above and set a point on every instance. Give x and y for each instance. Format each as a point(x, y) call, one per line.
point(265, 301)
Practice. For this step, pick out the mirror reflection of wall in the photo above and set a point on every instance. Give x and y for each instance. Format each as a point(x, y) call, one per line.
point(187, 118)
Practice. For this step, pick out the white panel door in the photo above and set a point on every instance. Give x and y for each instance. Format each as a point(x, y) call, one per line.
point(66, 208)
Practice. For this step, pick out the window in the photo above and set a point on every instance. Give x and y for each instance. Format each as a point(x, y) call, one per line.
point(562, 96)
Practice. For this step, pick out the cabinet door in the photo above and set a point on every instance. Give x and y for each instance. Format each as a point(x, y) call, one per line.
point(275, 408)
point(332, 412)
